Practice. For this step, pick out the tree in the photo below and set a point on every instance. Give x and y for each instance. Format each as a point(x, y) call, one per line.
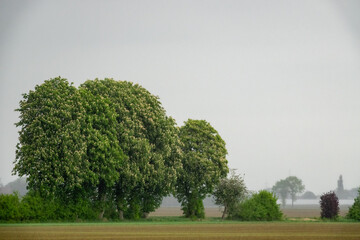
point(149, 140)
point(354, 210)
point(329, 204)
point(281, 188)
point(295, 187)
point(19, 185)
point(289, 186)
point(261, 206)
point(204, 164)
point(229, 192)
point(308, 195)
point(51, 146)
point(67, 144)
point(103, 151)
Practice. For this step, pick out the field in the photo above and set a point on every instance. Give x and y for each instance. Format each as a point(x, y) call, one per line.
point(165, 223)
point(184, 230)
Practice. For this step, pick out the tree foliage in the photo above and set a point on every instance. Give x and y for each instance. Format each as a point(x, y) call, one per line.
point(229, 192)
point(204, 164)
point(34, 208)
point(281, 188)
point(107, 141)
point(148, 138)
point(329, 205)
point(10, 207)
point(295, 187)
point(354, 210)
point(261, 206)
point(289, 186)
point(51, 146)
point(67, 145)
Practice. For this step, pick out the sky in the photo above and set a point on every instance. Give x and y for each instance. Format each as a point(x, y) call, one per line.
point(279, 80)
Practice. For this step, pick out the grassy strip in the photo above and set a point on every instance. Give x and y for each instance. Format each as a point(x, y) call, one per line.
point(178, 221)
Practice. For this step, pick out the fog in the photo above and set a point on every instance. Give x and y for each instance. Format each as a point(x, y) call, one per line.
point(279, 80)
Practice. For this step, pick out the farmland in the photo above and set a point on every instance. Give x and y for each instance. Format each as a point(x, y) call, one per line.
point(166, 223)
point(184, 230)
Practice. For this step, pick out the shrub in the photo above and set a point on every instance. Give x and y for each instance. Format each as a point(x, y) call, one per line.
point(229, 192)
point(193, 208)
point(354, 210)
point(261, 206)
point(10, 207)
point(329, 204)
point(32, 207)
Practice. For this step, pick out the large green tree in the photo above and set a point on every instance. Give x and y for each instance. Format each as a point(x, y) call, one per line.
point(204, 164)
point(148, 138)
point(67, 143)
point(103, 151)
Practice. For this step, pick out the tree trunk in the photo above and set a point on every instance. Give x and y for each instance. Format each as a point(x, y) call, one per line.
point(101, 215)
point(224, 212)
point(102, 198)
point(145, 215)
point(121, 215)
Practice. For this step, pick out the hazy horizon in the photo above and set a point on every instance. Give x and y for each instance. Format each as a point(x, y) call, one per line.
point(279, 80)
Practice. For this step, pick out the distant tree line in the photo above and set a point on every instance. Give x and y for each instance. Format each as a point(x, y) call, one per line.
point(19, 185)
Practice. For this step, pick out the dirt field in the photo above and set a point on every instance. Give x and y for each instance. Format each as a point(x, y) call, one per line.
point(189, 230)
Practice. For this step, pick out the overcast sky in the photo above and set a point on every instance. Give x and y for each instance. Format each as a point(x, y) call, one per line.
point(279, 80)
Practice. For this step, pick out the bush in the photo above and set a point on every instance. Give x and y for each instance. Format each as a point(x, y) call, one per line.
point(10, 207)
point(32, 207)
point(354, 210)
point(229, 192)
point(329, 204)
point(193, 208)
point(261, 206)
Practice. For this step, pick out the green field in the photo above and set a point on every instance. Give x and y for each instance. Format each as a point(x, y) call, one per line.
point(183, 230)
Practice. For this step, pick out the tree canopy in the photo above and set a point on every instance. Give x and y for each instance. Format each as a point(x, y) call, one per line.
point(295, 187)
point(67, 144)
point(354, 210)
point(204, 164)
point(229, 192)
point(289, 186)
point(148, 138)
point(107, 141)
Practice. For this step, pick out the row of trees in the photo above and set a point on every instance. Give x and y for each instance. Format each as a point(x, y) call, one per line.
point(111, 143)
point(231, 193)
point(107, 148)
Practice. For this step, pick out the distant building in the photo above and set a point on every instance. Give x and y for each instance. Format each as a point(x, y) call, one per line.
point(342, 193)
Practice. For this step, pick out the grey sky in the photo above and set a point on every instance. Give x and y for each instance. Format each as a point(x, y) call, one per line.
point(279, 80)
